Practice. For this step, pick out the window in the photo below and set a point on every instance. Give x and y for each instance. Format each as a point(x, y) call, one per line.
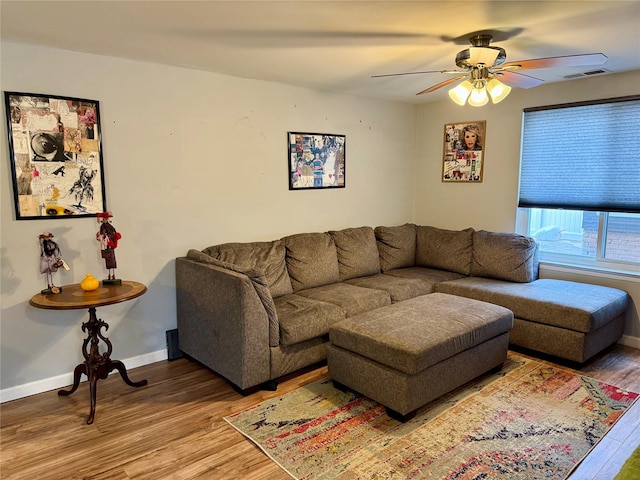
point(604, 239)
point(580, 182)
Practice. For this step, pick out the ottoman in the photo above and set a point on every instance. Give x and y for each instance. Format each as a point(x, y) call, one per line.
point(406, 354)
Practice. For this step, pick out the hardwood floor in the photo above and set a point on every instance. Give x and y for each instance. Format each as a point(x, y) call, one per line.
point(173, 428)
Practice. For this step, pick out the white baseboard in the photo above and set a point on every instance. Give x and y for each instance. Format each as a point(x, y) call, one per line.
point(630, 341)
point(44, 385)
point(66, 379)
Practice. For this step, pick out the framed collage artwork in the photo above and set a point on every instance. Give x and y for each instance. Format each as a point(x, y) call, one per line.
point(56, 156)
point(316, 160)
point(463, 159)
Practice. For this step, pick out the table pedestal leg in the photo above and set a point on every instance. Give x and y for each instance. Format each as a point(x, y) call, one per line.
point(97, 366)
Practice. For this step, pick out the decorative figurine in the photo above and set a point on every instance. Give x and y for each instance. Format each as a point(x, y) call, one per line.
point(50, 261)
point(108, 238)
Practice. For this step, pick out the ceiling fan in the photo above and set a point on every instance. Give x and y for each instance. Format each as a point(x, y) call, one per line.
point(483, 70)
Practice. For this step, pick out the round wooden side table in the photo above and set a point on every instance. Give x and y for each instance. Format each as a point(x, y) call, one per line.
point(96, 365)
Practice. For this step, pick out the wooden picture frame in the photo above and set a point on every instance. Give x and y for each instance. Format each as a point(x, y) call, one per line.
point(55, 152)
point(316, 160)
point(464, 148)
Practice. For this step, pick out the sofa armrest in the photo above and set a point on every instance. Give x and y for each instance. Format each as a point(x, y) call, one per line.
point(222, 322)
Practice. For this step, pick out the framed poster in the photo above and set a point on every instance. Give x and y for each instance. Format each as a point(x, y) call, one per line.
point(463, 159)
point(316, 160)
point(56, 156)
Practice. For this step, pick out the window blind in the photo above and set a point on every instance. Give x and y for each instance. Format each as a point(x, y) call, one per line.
point(582, 156)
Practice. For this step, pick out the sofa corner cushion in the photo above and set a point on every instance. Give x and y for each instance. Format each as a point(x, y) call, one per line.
point(267, 257)
point(504, 256)
point(259, 283)
point(396, 246)
point(444, 249)
point(312, 260)
point(357, 252)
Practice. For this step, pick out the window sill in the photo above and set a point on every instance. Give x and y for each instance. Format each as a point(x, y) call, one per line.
point(593, 270)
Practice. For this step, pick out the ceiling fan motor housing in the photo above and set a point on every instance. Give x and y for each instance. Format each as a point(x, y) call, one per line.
point(481, 45)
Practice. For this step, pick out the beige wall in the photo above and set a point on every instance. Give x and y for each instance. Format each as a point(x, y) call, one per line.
point(491, 205)
point(194, 158)
point(191, 159)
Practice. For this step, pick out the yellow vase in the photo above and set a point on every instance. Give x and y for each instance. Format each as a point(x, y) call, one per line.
point(89, 283)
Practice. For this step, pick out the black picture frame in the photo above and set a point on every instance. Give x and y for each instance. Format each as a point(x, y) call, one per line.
point(316, 160)
point(55, 150)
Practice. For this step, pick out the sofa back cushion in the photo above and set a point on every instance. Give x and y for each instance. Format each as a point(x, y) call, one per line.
point(444, 249)
point(396, 246)
point(504, 256)
point(357, 252)
point(312, 260)
point(266, 257)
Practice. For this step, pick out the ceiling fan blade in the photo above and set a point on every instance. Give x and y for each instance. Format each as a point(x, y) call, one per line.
point(518, 79)
point(441, 84)
point(566, 61)
point(417, 73)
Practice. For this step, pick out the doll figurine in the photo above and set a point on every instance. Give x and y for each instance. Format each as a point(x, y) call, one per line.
point(108, 238)
point(50, 261)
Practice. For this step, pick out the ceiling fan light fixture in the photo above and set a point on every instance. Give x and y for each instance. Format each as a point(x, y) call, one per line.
point(460, 93)
point(497, 90)
point(483, 55)
point(478, 96)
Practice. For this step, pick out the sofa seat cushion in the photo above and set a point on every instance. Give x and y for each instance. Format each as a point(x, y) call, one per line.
point(303, 318)
point(444, 249)
point(396, 246)
point(575, 306)
point(312, 260)
point(415, 334)
point(353, 300)
point(266, 257)
point(504, 256)
point(429, 276)
point(399, 288)
point(357, 252)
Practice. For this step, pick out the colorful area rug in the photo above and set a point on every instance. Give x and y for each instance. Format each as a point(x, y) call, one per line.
point(528, 421)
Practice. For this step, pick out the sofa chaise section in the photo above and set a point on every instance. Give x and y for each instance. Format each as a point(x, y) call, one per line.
point(569, 320)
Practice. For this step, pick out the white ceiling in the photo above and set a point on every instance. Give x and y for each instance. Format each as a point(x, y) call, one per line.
point(331, 46)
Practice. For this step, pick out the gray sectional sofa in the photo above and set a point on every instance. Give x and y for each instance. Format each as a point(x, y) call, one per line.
point(253, 312)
